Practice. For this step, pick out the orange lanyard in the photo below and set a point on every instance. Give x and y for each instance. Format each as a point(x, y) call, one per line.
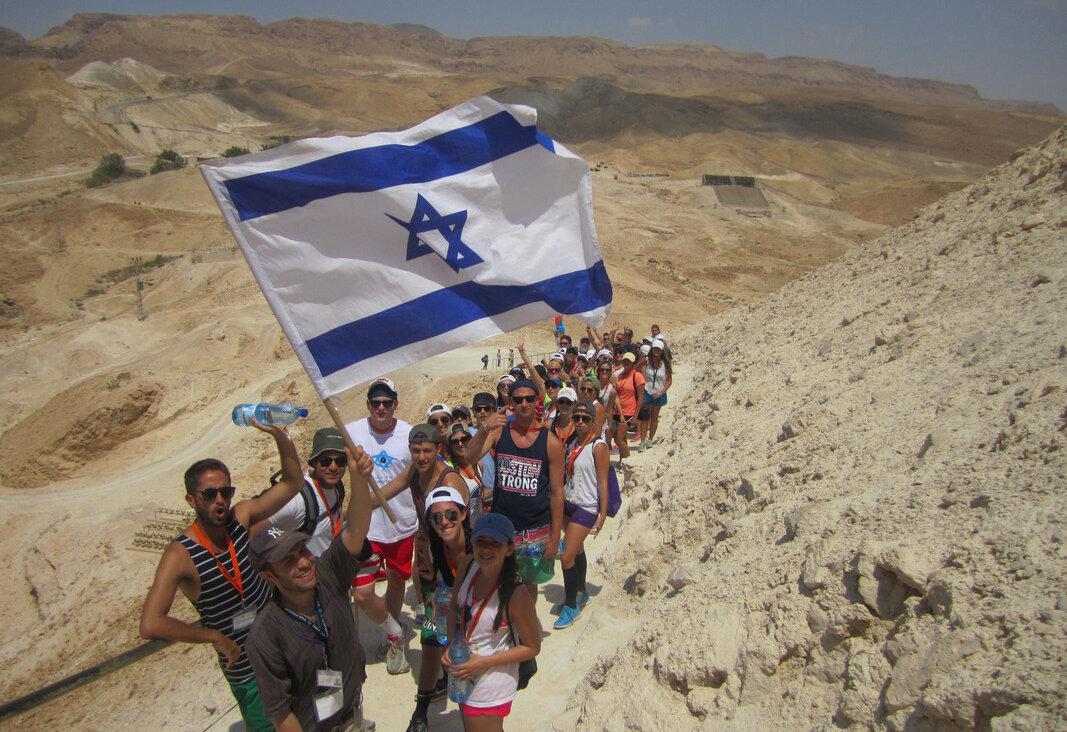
point(235, 578)
point(485, 601)
point(559, 432)
point(335, 524)
point(472, 475)
point(575, 454)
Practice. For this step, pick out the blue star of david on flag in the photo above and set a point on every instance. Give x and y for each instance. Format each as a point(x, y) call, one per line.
point(425, 218)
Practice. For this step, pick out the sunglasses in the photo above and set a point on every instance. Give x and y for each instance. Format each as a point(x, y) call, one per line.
point(528, 399)
point(482, 408)
point(440, 421)
point(383, 403)
point(554, 371)
point(581, 418)
point(564, 402)
point(325, 462)
point(590, 389)
point(449, 513)
point(460, 440)
point(208, 494)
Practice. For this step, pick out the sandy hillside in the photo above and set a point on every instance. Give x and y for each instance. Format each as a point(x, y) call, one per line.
point(860, 503)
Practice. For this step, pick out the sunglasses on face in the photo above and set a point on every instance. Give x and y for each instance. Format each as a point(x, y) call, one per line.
point(383, 403)
point(438, 421)
point(581, 418)
point(528, 399)
point(459, 441)
point(324, 462)
point(564, 402)
point(590, 389)
point(449, 513)
point(554, 371)
point(208, 494)
point(482, 408)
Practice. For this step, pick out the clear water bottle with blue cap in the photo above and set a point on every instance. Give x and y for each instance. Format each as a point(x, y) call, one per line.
point(442, 600)
point(268, 414)
point(458, 653)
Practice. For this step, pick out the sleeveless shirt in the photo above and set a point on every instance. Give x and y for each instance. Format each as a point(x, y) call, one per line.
point(219, 601)
point(523, 489)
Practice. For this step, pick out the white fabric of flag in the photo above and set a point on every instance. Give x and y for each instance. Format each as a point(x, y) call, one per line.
point(377, 251)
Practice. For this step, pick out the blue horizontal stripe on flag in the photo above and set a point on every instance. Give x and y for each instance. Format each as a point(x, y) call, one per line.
point(443, 310)
point(383, 166)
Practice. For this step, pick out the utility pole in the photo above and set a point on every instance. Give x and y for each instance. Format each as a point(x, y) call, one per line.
point(140, 290)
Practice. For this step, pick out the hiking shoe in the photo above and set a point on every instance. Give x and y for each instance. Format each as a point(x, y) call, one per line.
point(440, 691)
point(567, 617)
point(395, 661)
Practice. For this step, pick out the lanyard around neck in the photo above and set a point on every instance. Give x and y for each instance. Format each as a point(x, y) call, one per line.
point(235, 578)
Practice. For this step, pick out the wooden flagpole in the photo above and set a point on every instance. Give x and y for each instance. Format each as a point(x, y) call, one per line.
point(340, 424)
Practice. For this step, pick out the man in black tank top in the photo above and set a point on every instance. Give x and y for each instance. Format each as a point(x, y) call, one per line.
point(528, 486)
point(210, 563)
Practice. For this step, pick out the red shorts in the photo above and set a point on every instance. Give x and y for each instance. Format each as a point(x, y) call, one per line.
point(395, 557)
point(500, 710)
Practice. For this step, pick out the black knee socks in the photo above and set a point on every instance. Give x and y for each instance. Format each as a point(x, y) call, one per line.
point(570, 586)
point(579, 564)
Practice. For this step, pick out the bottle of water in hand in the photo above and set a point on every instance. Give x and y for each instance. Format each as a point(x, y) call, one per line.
point(267, 414)
point(442, 599)
point(459, 652)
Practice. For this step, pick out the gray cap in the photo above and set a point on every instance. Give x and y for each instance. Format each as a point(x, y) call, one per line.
point(328, 438)
point(271, 544)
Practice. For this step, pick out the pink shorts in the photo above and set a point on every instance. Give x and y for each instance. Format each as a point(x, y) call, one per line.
point(501, 710)
point(395, 556)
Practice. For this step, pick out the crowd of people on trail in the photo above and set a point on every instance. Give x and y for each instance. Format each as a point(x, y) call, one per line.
point(484, 499)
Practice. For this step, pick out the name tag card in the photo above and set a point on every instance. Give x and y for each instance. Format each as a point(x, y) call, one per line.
point(243, 620)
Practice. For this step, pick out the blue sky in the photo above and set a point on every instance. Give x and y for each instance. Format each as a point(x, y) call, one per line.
point(1006, 49)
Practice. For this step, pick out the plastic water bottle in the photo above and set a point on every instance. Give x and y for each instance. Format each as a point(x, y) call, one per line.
point(442, 600)
point(533, 549)
point(285, 413)
point(459, 652)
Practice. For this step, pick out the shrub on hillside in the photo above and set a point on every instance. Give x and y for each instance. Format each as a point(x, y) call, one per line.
point(276, 140)
point(167, 160)
point(110, 167)
point(233, 151)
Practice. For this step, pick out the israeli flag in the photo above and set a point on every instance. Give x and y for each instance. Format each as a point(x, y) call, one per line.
point(375, 252)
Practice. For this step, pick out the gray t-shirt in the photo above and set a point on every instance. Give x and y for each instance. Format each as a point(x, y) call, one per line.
point(285, 652)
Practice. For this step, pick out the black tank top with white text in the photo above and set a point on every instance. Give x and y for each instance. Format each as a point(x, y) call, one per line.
point(523, 490)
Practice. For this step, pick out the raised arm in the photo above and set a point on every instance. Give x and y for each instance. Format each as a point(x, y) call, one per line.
point(534, 376)
point(357, 518)
point(266, 505)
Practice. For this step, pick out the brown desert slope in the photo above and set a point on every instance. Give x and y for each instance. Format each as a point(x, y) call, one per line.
point(857, 520)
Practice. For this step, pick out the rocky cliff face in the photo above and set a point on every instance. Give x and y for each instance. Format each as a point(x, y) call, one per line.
point(860, 519)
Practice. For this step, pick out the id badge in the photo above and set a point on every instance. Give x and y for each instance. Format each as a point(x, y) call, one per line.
point(328, 679)
point(243, 620)
point(328, 704)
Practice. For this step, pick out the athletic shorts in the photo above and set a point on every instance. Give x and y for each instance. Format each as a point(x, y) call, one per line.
point(500, 710)
point(248, 701)
point(395, 556)
point(534, 570)
point(660, 401)
point(579, 515)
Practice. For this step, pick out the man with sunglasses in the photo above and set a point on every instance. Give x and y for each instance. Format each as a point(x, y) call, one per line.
point(322, 496)
point(385, 439)
point(440, 416)
point(209, 562)
point(528, 482)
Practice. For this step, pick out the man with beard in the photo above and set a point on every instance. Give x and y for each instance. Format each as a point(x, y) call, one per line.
point(210, 563)
point(304, 645)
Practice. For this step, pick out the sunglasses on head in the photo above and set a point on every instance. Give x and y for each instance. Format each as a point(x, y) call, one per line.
point(384, 403)
point(464, 440)
point(437, 421)
point(208, 494)
point(564, 402)
point(581, 418)
point(324, 461)
point(529, 399)
point(449, 513)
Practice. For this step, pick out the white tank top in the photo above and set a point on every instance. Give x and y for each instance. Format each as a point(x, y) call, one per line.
point(497, 685)
point(582, 487)
point(655, 378)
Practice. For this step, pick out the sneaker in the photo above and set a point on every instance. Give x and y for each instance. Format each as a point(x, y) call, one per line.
point(440, 691)
point(567, 617)
point(368, 726)
point(615, 450)
point(395, 661)
point(639, 447)
point(583, 600)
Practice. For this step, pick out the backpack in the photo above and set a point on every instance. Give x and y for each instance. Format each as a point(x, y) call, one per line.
point(311, 503)
point(614, 494)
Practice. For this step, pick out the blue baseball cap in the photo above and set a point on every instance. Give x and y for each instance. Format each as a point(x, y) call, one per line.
point(496, 526)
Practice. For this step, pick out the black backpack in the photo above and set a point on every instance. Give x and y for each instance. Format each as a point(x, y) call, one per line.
point(311, 503)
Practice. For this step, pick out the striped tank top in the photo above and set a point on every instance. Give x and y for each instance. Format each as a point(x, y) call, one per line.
point(219, 601)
